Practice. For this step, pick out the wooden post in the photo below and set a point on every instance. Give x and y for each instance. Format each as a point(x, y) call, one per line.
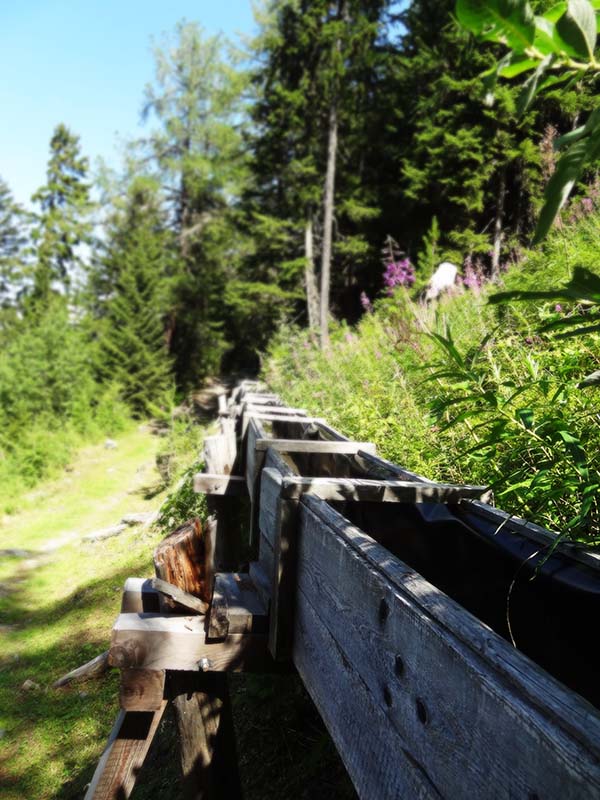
point(200, 700)
point(124, 754)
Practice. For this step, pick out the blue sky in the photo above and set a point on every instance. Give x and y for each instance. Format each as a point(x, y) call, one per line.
point(85, 63)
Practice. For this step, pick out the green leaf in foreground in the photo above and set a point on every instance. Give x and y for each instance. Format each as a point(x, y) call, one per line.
point(510, 22)
point(577, 29)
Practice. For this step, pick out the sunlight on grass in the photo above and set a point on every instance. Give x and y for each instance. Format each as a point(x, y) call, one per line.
point(57, 609)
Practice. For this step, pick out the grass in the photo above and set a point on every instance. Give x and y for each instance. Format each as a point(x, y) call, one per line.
point(57, 609)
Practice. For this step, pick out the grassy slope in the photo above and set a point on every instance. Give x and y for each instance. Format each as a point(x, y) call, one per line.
point(61, 606)
point(371, 384)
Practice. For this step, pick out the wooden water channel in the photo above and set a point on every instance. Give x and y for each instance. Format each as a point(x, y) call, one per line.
point(396, 599)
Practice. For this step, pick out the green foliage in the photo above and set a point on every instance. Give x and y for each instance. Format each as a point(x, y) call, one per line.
point(63, 224)
point(12, 243)
point(183, 503)
point(561, 41)
point(133, 348)
point(485, 396)
point(49, 399)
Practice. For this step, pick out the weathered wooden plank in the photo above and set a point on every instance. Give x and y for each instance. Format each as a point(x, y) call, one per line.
point(382, 491)
point(241, 605)
point(267, 416)
point(314, 446)
point(165, 641)
point(142, 689)
point(277, 410)
point(529, 530)
point(266, 559)
point(124, 755)
point(217, 456)
point(94, 668)
point(222, 402)
point(186, 600)
point(261, 581)
point(208, 752)
point(185, 559)
point(377, 467)
point(422, 677)
point(138, 595)
point(209, 483)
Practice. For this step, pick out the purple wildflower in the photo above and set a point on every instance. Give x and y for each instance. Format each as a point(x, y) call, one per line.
point(366, 302)
point(473, 274)
point(558, 308)
point(398, 273)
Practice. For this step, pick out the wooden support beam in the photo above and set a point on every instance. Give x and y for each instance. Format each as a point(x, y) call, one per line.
point(313, 446)
point(267, 416)
point(182, 599)
point(142, 689)
point(378, 491)
point(276, 410)
point(217, 454)
point(138, 596)
point(236, 607)
point(124, 754)
point(230, 485)
point(206, 736)
point(167, 641)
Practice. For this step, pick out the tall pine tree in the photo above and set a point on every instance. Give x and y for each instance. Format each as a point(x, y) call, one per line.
point(138, 261)
point(63, 224)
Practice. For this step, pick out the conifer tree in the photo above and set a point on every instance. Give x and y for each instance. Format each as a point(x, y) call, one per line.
point(197, 153)
point(63, 223)
point(133, 345)
point(12, 243)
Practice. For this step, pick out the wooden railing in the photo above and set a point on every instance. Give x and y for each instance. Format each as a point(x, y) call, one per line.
point(391, 596)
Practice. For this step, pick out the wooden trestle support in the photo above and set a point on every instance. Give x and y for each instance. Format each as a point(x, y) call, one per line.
point(421, 699)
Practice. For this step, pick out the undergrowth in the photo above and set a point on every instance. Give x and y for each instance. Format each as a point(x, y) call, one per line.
point(471, 392)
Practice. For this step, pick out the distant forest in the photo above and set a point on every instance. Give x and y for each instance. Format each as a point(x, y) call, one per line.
point(275, 183)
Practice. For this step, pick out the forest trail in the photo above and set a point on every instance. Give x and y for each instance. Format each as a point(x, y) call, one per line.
point(59, 595)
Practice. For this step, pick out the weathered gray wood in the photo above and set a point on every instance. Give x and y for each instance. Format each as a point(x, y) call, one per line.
point(138, 595)
point(377, 467)
point(94, 668)
point(261, 581)
point(421, 677)
point(184, 599)
point(142, 689)
point(207, 741)
point(165, 641)
point(328, 434)
point(383, 491)
point(266, 559)
point(267, 416)
point(222, 401)
point(240, 607)
point(530, 531)
point(124, 755)
point(218, 620)
point(209, 483)
point(217, 454)
point(313, 446)
point(276, 410)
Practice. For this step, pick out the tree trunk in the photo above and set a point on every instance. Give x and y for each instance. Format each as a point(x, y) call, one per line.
point(310, 279)
point(498, 227)
point(329, 198)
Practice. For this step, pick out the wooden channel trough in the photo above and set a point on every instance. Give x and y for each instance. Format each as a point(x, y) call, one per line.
point(408, 608)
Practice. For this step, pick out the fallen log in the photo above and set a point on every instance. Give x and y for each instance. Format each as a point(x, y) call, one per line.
point(92, 669)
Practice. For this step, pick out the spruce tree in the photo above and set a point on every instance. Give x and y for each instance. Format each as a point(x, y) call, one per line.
point(197, 154)
point(63, 223)
point(133, 344)
point(12, 244)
